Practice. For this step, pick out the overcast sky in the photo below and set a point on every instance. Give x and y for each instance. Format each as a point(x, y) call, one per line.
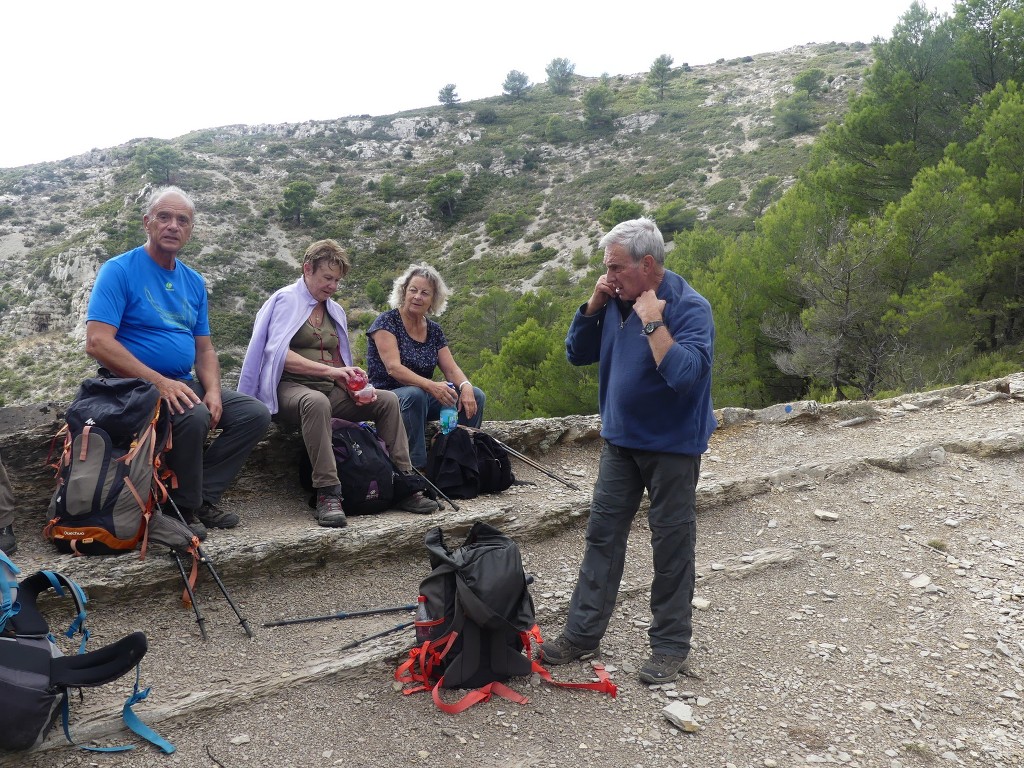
point(83, 75)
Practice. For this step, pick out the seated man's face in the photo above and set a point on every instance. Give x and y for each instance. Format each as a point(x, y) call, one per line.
point(322, 282)
point(169, 225)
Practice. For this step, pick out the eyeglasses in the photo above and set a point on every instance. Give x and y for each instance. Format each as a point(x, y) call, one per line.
point(166, 218)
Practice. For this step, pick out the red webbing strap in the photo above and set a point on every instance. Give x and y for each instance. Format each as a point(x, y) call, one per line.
point(85, 443)
point(146, 515)
point(422, 661)
point(483, 693)
point(63, 458)
point(193, 550)
point(603, 684)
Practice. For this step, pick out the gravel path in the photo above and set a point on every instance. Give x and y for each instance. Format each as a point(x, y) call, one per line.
point(861, 597)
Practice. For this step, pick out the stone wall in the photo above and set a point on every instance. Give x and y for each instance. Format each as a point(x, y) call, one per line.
point(28, 447)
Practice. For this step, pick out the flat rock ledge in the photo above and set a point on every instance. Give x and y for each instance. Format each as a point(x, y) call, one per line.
point(290, 543)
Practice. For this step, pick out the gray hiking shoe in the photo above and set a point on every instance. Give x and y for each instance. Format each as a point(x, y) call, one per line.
point(418, 504)
point(561, 651)
point(7, 541)
point(213, 516)
point(662, 668)
point(194, 524)
point(328, 512)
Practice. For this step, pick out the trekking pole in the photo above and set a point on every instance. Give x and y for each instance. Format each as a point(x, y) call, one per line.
point(513, 452)
point(436, 490)
point(360, 641)
point(341, 615)
point(209, 566)
point(200, 619)
point(224, 590)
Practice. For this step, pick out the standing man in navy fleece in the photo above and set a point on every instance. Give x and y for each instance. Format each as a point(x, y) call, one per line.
point(653, 337)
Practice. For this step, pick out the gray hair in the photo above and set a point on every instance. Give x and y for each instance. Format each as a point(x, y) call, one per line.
point(639, 237)
point(440, 300)
point(161, 192)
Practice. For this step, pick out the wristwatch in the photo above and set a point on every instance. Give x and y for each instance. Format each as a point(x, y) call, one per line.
point(652, 326)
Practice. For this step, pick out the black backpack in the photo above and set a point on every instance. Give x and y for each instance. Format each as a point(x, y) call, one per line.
point(494, 466)
point(108, 472)
point(370, 482)
point(480, 624)
point(451, 465)
point(465, 463)
point(35, 676)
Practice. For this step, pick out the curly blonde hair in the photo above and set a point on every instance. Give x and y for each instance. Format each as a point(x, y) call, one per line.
point(427, 272)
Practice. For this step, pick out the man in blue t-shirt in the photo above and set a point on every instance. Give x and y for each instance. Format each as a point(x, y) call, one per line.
point(148, 319)
point(652, 336)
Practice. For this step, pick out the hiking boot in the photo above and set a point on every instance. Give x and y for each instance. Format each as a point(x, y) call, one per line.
point(418, 504)
point(662, 668)
point(329, 513)
point(213, 516)
point(194, 524)
point(7, 541)
point(561, 651)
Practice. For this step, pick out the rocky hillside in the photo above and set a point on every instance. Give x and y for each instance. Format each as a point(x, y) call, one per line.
point(536, 161)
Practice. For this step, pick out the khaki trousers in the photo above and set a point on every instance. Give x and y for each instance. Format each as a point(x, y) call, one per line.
point(311, 411)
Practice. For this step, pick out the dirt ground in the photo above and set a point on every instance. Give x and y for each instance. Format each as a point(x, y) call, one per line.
point(860, 603)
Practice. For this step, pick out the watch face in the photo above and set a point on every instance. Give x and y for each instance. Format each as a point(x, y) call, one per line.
point(651, 327)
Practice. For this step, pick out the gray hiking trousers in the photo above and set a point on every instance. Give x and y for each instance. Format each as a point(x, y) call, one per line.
point(204, 475)
point(6, 499)
point(671, 483)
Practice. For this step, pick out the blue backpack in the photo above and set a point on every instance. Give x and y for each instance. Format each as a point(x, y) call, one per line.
point(35, 676)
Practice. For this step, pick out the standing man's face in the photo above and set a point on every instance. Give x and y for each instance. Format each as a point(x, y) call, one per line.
point(628, 278)
point(169, 225)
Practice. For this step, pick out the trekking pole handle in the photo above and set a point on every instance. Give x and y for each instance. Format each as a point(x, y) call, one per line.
point(342, 615)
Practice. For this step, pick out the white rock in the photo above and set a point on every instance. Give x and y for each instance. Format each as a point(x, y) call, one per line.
point(241, 739)
point(680, 715)
point(828, 517)
point(921, 581)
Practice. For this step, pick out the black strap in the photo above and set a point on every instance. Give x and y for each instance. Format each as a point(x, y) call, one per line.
point(87, 670)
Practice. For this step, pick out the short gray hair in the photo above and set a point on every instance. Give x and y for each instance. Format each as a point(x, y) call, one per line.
point(639, 237)
point(440, 301)
point(161, 192)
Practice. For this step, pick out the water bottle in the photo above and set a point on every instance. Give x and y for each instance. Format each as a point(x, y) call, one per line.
point(356, 381)
point(423, 620)
point(450, 414)
point(361, 390)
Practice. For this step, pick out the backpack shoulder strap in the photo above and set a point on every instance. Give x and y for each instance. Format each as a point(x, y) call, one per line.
point(484, 693)
point(9, 605)
point(31, 622)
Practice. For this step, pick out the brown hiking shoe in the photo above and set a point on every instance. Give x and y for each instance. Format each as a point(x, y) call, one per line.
point(418, 504)
point(328, 512)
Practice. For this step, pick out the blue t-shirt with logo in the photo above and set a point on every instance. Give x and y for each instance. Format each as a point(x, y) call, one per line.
point(158, 312)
